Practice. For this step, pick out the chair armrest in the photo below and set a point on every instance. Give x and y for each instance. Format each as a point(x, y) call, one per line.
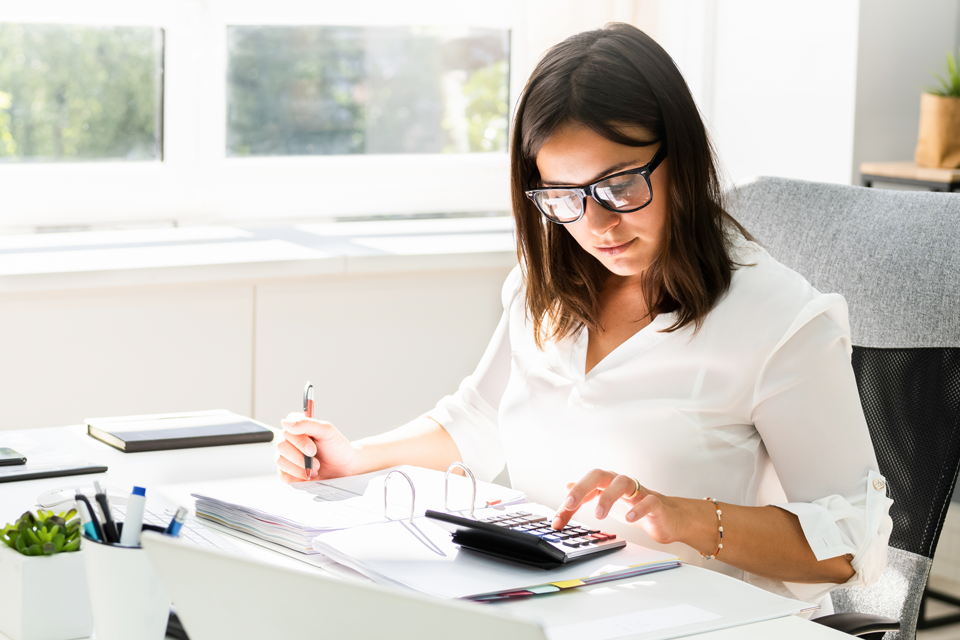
point(859, 624)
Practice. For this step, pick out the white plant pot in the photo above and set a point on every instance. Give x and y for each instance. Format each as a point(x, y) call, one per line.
point(44, 597)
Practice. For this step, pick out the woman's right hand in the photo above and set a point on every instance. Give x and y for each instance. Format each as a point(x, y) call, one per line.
point(333, 455)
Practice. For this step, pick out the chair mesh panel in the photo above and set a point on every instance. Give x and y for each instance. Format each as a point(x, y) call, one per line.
point(911, 400)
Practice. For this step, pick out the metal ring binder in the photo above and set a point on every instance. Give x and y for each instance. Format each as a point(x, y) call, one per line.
point(413, 492)
point(446, 486)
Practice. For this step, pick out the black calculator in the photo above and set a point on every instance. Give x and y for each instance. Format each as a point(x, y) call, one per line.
point(527, 538)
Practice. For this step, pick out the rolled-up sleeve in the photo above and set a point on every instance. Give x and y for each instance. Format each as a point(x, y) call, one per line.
point(807, 410)
point(470, 414)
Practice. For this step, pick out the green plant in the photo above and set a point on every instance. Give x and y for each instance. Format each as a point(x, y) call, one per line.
point(949, 87)
point(43, 534)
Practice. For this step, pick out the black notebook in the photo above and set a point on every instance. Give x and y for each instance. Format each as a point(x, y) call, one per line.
point(177, 430)
point(49, 465)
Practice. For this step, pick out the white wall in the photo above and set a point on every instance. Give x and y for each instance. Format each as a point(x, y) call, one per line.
point(67, 356)
point(809, 90)
point(784, 88)
point(900, 43)
point(381, 348)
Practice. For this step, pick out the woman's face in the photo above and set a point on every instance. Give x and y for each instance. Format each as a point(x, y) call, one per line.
point(625, 243)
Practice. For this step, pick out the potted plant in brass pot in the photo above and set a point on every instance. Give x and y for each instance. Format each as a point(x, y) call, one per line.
point(43, 580)
point(938, 144)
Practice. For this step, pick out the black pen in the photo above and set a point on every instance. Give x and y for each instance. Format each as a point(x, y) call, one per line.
point(308, 412)
point(109, 527)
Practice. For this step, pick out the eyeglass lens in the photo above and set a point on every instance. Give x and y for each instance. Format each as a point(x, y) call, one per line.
point(620, 193)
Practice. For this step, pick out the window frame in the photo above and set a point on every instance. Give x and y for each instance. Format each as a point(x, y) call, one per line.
point(196, 183)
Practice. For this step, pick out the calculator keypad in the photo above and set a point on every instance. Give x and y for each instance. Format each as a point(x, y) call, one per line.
point(572, 536)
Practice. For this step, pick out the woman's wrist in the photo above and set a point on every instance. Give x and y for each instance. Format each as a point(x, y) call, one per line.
point(699, 525)
point(370, 455)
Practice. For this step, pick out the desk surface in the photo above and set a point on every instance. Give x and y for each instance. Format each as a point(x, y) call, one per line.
point(157, 468)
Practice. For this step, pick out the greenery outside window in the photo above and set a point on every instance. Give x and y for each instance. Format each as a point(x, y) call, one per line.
point(77, 92)
point(343, 90)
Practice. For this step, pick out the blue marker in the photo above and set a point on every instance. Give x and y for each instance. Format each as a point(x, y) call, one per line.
point(173, 529)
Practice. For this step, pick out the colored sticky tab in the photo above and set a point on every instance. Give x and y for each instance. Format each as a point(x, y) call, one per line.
point(543, 588)
point(568, 584)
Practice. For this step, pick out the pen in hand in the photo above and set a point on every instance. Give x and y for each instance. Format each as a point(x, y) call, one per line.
point(308, 412)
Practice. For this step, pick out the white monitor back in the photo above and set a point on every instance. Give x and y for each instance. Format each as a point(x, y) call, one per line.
point(226, 596)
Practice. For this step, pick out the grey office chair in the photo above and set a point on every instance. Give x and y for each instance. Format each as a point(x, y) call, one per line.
point(895, 257)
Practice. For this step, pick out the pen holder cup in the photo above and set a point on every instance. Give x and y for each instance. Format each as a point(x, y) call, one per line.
point(127, 597)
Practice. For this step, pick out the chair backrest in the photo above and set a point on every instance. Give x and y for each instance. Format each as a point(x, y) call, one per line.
point(895, 257)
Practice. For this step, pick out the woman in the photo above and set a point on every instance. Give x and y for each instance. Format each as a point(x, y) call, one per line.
point(650, 348)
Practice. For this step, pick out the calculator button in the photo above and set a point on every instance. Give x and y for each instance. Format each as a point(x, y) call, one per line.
point(572, 542)
point(611, 536)
point(599, 537)
point(517, 514)
point(552, 538)
point(532, 519)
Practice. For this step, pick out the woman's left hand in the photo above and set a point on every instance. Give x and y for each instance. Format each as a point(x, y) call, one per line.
point(655, 513)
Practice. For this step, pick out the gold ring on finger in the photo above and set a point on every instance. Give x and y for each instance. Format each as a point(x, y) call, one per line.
point(636, 489)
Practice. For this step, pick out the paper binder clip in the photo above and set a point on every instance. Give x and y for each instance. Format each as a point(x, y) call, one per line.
point(413, 492)
point(446, 486)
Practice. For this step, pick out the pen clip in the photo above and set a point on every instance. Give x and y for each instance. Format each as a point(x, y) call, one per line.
point(306, 396)
point(446, 486)
point(413, 492)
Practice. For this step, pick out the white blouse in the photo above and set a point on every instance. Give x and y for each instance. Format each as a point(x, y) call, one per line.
point(759, 407)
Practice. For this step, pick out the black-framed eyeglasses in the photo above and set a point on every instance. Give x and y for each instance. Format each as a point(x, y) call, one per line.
point(622, 192)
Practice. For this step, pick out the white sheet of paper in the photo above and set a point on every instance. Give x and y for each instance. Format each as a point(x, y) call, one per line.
point(631, 623)
point(421, 556)
point(348, 502)
point(267, 495)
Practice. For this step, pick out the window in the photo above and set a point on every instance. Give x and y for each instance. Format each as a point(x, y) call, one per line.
point(74, 92)
point(249, 110)
point(334, 90)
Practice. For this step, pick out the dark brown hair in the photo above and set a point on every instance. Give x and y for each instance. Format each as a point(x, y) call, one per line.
point(605, 79)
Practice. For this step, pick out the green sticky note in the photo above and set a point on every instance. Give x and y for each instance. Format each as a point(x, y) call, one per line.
point(543, 588)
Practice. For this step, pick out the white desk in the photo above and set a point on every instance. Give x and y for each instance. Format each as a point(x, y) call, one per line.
point(152, 469)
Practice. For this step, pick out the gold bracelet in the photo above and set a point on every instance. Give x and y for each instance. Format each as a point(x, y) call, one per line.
point(720, 527)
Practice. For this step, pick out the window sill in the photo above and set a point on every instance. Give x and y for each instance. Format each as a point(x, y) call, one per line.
point(196, 255)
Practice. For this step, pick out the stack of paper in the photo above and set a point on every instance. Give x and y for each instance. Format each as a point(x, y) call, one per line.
point(422, 557)
point(292, 515)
